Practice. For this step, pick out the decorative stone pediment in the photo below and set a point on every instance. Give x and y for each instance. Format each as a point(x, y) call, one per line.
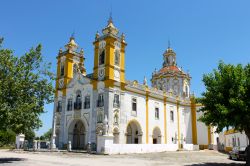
point(78, 79)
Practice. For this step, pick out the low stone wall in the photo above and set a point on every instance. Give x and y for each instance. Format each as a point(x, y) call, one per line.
point(138, 148)
point(191, 147)
point(105, 146)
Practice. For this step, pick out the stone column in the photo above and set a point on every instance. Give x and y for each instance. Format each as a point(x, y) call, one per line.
point(38, 145)
point(69, 146)
point(53, 135)
point(34, 145)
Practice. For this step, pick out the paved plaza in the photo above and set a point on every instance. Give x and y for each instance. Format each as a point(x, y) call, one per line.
point(197, 158)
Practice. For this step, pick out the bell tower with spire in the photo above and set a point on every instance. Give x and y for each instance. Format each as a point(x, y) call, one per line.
point(68, 61)
point(109, 56)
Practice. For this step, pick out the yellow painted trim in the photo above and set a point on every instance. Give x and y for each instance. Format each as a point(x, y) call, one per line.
point(198, 104)
point(209, 134)
point(228, 149)
point(122, 65)
point(109, 83)
point(202, 147)
point(147, 118)
point(96, 52)
point(165, 119)
point(194, 125)
point(94, 83)
point(178, 121)
point(230, 131)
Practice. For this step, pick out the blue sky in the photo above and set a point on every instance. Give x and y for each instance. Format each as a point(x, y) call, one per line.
point(201, 32)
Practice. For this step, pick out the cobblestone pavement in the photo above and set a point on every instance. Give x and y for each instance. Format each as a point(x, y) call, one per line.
point(182, 158)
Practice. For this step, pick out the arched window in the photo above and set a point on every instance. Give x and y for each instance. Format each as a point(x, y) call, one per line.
point(172, 115)
point(102, 57)
point(116, 118)
point(78, 103)
point(87, 102)
point(69, 106)
point(117, 57)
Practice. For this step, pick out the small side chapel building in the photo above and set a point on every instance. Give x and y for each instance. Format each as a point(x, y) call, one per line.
point(105, 103)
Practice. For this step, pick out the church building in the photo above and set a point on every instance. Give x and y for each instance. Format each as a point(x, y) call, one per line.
point(89, 105)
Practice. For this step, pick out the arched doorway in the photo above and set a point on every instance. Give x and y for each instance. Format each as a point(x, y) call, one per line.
point(156, 135)
point(134, 133)
point(77, 135)
point(116, 135)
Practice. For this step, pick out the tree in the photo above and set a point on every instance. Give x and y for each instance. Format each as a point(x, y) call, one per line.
point(42, 138)
point(29, 135)
point(48, 134)
point(25, 87)
point(7, 137)
point(226, 100)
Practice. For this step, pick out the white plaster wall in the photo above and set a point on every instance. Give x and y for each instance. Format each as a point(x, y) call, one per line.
point(172, 127)
point(242, 136)
point(188, 125)
point(139, 148)
point(190, 147)
point(85, 89)
point(140, 117)
point(202, 137)
point(153, 122)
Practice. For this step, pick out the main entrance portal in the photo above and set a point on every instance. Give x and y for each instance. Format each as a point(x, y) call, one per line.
point(77, 135)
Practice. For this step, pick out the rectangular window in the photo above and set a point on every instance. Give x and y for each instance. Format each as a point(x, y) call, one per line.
point(100, 101)
point(156, 113)
point(134, 104)
point(87, 102)
point(69, 106)
point(62, 69)
point(116, 100)
point(117, 58)
point(59, 106)
point(172, 115)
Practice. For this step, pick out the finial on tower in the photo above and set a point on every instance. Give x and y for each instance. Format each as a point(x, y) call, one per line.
point(72, 45)
point(110, 18)
point(145, 81)
point(72, 35)
point(169, 44)
point(110, 28)
point(97, 35)
point(123, 37)
point(60, 50)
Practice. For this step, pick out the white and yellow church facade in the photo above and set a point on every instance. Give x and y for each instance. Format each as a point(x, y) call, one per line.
point(118, 115)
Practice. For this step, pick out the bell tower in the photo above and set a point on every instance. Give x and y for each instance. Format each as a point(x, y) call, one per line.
point(68, 62)
point(109, 56)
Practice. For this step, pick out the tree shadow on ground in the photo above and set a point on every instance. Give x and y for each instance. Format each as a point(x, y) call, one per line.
point(10, 160)
point(218, 164)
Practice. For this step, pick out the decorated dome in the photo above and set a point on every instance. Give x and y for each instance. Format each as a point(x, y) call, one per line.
point(169, 69)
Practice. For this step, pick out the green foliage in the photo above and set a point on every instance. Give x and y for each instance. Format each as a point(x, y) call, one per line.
point(47, 135)
point(226, 100)
point(7, 137)
point(25, 87)
point(29, 135)
point(42, 137)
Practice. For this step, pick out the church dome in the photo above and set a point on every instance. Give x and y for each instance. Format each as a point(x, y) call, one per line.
point(169, 69)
